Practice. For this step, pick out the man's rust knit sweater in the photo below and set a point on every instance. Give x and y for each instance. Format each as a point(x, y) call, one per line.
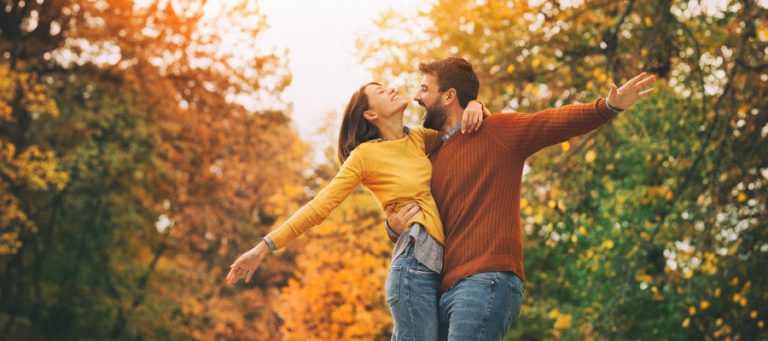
point(476, 181)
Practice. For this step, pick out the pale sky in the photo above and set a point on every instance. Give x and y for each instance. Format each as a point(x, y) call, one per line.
point(320, 36)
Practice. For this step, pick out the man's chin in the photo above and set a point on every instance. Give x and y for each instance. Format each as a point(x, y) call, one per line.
point(432, 124)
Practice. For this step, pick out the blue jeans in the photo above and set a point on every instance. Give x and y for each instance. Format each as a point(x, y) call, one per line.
point(481, 307)
point(412, 294)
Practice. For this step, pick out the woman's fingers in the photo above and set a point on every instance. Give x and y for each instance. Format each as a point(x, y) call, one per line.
point(231, 275)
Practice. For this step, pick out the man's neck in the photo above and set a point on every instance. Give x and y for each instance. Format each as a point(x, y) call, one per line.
point(453, 117)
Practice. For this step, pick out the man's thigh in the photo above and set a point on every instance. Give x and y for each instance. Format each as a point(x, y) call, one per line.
point(481, 307)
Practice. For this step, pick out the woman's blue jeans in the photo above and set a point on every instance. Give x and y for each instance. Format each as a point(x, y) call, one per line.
point(412, 296)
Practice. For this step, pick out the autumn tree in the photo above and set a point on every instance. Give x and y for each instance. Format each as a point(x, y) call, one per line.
point(134, 169)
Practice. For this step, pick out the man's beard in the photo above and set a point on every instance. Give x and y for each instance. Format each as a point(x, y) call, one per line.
point(435, 117)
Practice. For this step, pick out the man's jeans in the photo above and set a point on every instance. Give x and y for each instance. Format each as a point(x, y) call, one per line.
point(481, 307)
point(412, 298)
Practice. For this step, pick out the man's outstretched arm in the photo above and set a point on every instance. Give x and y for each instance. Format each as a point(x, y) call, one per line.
point(525, 134)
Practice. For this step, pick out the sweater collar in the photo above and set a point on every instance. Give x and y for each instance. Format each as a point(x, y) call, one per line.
point(405, 130)
point(451, 132)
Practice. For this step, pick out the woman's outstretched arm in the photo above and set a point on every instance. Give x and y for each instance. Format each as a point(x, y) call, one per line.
point(313, 213)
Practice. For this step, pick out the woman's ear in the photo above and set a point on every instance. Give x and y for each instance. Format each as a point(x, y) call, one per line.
point(370, 115)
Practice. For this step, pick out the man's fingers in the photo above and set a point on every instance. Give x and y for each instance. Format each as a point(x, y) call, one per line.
point(645, 82)
point(646, 91)
point(248, 277)
point(389, 209)
point(406, 208)
point(636, 79)
point(412, 213)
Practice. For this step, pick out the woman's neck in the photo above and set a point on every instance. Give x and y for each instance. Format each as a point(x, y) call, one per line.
point(391, 130)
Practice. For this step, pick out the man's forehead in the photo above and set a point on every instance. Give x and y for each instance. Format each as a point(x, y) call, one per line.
point(427, 80)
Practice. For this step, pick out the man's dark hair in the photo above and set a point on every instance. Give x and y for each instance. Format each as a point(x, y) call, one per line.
point(454, 73)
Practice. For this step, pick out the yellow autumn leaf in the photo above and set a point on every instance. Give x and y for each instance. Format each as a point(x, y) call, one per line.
point(686, 322)
point(762, 34)
point(590, 156)
point(596, 72)
point(753, 314)
point(607, 244)
point(564, 321)
point(742, 197)
point(510, 68)
point(704, 305)
point(566, 146)
point(648, 21)
point(692, 310)
point(643, 278)
point(582, 230)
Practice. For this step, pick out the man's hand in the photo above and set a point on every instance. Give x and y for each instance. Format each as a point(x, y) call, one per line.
point(636, 88)
point(398, 221)
point(247, 263)
point(472, 118)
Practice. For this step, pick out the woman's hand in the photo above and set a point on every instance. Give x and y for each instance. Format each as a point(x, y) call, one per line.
point(398, 221)
point(246, 264)
point(636, 88)
point(472, 118)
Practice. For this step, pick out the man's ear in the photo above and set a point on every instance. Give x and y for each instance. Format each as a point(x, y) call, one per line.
point(449, 97)
point(370, 115)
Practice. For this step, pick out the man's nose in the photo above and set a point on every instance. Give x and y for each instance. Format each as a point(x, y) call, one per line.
point(391, 90)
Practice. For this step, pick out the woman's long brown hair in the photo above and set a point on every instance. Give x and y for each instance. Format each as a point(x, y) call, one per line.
point(355, 129)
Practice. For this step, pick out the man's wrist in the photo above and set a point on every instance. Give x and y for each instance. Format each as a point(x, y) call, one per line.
point(612, 108)
point(390, 231)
